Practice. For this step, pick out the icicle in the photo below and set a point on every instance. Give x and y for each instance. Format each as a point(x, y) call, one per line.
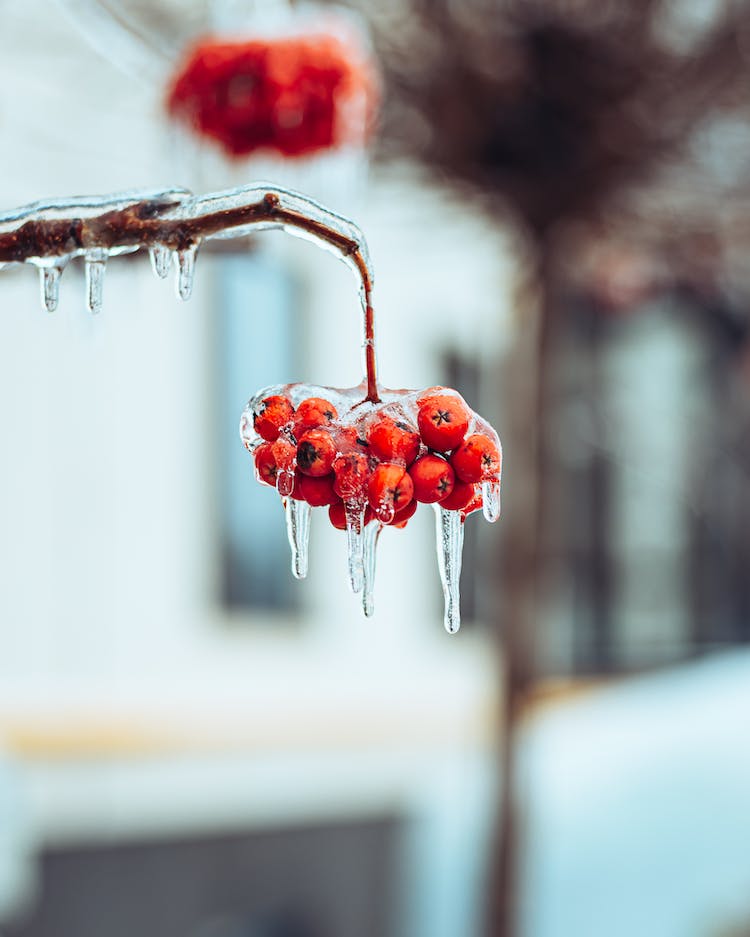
point(186, 271)
point(50, 282)
point(161, 259)
point(96, 262)
point(298, 531)
point(370, 541)
point(491, 500)
point(355, 522)
point(450, 541)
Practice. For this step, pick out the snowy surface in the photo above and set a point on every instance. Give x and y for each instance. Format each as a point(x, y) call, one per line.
point(639, 808)
point(16, 849)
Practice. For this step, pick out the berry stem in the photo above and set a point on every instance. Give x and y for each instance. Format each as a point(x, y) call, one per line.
point(371, 371)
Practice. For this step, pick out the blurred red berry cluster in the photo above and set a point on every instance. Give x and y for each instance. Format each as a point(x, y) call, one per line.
point(382, 463)
point(293, 95)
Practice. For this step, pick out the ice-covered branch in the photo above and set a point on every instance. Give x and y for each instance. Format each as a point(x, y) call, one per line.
point(173, 221)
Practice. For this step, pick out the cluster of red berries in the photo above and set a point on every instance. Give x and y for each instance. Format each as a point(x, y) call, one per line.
point(290, 95)
point(381, 460)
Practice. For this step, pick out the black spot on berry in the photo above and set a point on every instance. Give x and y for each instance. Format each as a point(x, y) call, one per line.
point(307, 454)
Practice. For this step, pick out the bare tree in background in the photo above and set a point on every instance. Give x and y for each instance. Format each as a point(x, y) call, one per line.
point(575, 121)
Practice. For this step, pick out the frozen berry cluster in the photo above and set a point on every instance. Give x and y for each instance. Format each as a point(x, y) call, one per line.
point(291, 95)
point(331, 449)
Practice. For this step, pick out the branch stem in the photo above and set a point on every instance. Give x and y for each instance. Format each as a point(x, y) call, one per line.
point(179, 223)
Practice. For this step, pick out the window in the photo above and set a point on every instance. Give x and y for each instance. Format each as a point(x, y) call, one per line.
point(256, 299)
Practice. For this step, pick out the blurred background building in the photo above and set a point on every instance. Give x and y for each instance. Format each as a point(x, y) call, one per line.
point(196, 744)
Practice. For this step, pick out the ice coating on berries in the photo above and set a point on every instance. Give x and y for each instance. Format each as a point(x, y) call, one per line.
point(374, 464)
point(389, 489)
point(265, 464)
point(351, 470)
point(337, 515)
point(284, 454)
point(354, 512)
point(285, 482)
point(270, 416)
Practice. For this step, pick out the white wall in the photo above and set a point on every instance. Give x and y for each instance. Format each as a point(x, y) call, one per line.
point(109, 625)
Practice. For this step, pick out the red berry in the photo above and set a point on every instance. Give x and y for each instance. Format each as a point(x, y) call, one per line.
point(296, 490)
point(348, 440)
point(289, 94)
point(318, 491)
point(285, 453)
point(315, 411)
point(265, 464)
point(478, 459)
point(274, 413)
point(401, 518)
point(460, 496)
point(352, 472)
point(316, 452)
point(476, 502)
point(389, 489)
point(443, 421)
point(433, 479)
point(337, 515)
point(392, 440)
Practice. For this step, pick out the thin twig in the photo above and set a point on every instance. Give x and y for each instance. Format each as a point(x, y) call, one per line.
point(58, 231)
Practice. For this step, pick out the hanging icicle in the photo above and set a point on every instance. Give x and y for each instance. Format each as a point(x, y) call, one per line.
point(161, 260)
point(96, 265)
point(298, 532)
point(186, 271)
point(50, 284)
